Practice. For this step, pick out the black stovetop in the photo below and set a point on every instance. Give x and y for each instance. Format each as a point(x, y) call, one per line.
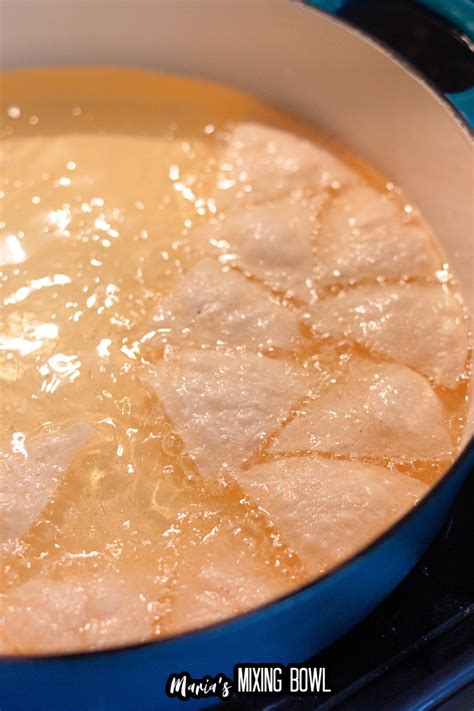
point(415, 652)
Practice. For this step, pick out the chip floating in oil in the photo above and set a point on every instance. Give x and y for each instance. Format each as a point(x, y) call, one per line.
point(230, 357)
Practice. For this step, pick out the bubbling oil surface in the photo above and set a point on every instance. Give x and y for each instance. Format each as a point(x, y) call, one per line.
point(99, 233)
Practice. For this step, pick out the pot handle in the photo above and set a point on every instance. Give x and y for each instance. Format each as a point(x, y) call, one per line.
point(459, 13)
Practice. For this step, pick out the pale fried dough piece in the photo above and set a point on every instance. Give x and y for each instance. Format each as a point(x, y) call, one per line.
point(28, 481)
point(225, 404)
point(423, 326)
point(218, 585)
point(263, 163)
point(382, 410)
point(364, 234)
point(89, 611)
point(325, 509)
point(212, 306)
point(273, 243)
